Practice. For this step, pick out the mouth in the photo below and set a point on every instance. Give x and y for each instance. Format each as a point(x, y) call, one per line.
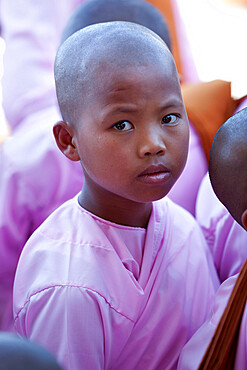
point(154, 175)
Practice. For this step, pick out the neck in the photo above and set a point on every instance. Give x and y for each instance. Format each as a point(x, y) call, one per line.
point(114, 208)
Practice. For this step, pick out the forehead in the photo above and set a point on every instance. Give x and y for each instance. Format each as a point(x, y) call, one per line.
point(142, 80)
point(120, 73)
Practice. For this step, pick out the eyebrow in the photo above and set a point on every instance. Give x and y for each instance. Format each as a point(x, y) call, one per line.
point(173, 104)
point(122, 109)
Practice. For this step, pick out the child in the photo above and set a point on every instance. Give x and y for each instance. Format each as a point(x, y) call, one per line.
point(185, 190)
point(32, 186)
point(20, 354)
point(228, 175)
point(115, 278)
point(208, 105)
point(35, 177)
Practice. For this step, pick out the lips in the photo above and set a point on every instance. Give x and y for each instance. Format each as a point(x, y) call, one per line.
point(154, 174)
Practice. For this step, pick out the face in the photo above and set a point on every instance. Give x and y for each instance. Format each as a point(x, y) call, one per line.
point(132, 136)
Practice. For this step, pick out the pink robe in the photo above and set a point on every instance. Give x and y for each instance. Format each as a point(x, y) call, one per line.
point(35, 177)
point(227, 240)
point(100, 295)
point(194, 350)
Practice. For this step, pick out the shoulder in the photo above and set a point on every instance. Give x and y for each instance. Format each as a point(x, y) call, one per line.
point(178, 219)
point(71, 224)
point(68, 249)
point(68, 225)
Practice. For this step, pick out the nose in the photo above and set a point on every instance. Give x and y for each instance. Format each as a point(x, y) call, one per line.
point(151, 143)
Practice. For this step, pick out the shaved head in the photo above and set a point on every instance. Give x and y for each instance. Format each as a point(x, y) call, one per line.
point(228, 164)
point(102, 49)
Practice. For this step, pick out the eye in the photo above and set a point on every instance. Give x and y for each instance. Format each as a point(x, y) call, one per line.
point(170, 119)
point(123, 126)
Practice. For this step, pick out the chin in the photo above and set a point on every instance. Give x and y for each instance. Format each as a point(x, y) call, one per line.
point(152, 197)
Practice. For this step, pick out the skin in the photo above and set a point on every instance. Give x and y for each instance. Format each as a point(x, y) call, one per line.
point(227, 164)
point(131, 135)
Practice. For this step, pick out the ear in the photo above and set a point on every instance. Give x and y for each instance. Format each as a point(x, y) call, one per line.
point(63, 134)
point(244, 219)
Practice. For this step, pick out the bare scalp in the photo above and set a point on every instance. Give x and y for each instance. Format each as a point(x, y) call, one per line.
point(100, 48)
point(228, 164)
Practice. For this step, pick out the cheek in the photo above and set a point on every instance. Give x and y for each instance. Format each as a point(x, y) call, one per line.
point(102, 158)
point(180, 146)
point(184, 148)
